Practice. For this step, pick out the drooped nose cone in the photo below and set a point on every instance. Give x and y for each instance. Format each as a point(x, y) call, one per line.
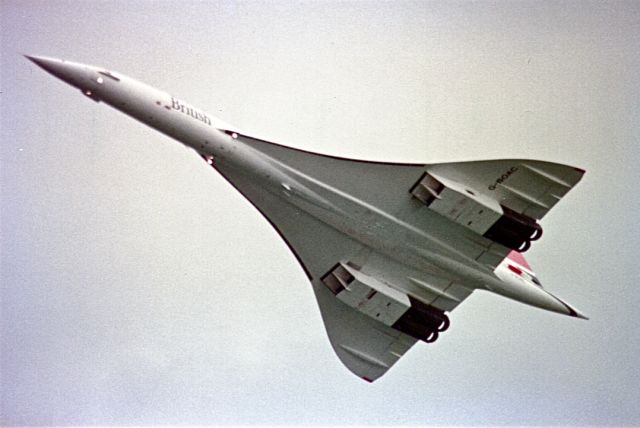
point(72, 73)
point(49, 64)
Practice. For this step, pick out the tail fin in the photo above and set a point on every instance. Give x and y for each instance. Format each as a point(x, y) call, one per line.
point(520, 283)
point(517, 264)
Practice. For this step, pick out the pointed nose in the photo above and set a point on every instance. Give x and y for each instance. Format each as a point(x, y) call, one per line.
point(69, 72)
point(51, 65)
point(37, 59)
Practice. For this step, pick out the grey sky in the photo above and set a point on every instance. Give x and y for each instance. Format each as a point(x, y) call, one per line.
point(139, 288)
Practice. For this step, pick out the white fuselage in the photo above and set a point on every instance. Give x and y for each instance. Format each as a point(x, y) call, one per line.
point(426, 250)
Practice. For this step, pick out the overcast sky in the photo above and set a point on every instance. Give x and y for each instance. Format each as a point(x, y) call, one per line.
point(139, 288)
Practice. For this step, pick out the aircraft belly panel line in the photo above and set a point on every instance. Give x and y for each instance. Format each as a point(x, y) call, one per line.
point(442, 293)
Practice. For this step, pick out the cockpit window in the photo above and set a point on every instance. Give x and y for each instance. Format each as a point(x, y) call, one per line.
point(109, 74)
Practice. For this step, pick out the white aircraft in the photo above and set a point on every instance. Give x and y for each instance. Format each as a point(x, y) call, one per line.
point(389, 248)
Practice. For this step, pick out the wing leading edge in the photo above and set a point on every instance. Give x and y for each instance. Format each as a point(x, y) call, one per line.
point(365, 346)
point(375, 305)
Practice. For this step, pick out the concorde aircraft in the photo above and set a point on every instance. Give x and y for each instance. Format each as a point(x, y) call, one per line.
point(388, 248)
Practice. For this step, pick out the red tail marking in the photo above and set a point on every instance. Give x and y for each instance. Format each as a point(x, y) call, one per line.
point(518, 258)
point(514, 269)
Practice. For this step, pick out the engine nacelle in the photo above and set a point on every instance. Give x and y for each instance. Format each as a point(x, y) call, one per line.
point(384, 303)
point(514, 230)
point(477, 212)
point(366, 294)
